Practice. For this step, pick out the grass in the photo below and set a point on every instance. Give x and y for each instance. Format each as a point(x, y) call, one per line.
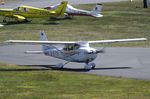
point(22, 82)
point(121, 20)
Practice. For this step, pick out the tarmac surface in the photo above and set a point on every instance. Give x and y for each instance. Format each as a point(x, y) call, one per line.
point(120, 62)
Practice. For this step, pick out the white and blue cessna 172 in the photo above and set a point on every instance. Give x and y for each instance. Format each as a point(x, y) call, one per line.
point(73, 51)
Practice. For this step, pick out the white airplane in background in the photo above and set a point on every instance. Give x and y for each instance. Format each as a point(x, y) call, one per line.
point(73, 51)
point(71, 11)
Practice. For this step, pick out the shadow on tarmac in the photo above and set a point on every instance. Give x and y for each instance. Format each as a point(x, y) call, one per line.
point(53, 67)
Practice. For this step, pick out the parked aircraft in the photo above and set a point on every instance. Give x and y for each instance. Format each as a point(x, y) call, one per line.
point(22, 13)
point(73, 51)
point(71, 11)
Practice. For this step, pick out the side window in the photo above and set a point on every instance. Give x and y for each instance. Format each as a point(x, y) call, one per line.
point(17, 9)
point(71, 47)
point(21, 9)
point(25, 9)
point(68, 47)
point(76, 46)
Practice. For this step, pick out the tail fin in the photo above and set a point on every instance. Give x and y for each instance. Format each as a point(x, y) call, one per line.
point(60, 10)
point(97, 10)
point(43, 37)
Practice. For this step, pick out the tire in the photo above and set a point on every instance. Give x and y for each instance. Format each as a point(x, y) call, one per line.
point(88, 67)
point(93, 65)
point(60, 66)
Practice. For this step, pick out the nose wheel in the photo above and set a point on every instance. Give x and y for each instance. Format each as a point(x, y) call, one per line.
point(89, 66)
point(93, 65)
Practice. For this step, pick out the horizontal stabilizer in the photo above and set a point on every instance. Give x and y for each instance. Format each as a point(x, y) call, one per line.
point(33, 52)
point(96, 12)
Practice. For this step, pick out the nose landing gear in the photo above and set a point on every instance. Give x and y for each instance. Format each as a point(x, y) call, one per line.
point(88, 66)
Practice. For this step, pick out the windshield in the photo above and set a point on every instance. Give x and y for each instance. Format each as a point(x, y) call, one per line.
point(17, 9)
point(71, 47)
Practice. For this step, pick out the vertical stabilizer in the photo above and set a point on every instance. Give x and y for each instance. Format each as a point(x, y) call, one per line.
point(97, 10)
point(60, 10)
point(43, 37)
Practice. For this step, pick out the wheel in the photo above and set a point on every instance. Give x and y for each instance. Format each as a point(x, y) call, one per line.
point(60, 66)
point(93, 65)
point(88, 67)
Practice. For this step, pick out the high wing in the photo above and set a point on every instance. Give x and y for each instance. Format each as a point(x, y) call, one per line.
point(40, 42)
point(76, 42)
point(117, 40)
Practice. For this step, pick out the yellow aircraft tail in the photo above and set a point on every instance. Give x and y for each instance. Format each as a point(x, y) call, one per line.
point(60, 10)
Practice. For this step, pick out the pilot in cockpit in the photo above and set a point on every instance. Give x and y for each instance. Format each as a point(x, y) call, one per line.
point(71, 47)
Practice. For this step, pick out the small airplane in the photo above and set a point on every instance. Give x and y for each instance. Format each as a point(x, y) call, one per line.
point(71, 11)
point(73, 51)
point(22, 13)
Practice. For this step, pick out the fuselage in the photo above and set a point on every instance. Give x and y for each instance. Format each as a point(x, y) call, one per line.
point(81, 55)
point(79, 12)
point(27, 11)
point(71, 11)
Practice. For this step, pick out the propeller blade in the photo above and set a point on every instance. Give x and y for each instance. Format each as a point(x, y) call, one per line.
point(100, 51)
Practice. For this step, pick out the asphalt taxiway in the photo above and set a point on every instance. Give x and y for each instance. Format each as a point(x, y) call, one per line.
point(120, 62)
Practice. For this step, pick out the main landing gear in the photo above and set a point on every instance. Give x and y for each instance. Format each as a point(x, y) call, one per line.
point(89, 66)
point(61, 65)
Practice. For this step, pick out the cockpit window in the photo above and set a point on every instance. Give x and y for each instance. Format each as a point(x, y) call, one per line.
point(17, 9)
point(21, 9)
point(71, 47)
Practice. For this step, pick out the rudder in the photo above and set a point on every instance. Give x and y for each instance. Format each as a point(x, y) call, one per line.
point(43, 37)
point(97, 8)
point(60, 10)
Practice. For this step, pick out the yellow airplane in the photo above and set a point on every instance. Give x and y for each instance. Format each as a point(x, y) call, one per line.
point(22, 13)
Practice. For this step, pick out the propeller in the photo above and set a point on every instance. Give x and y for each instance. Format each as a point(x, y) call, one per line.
point(97, 51)
point(91, 52)
point(100, 51)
